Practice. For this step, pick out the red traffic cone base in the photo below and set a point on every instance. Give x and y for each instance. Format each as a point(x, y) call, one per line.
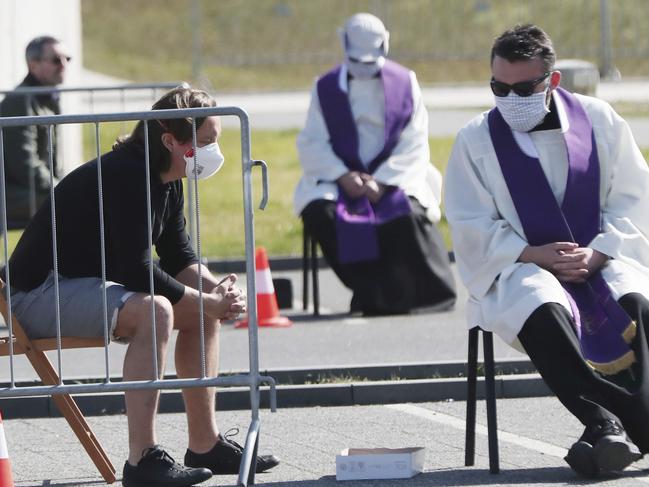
point(267, 309)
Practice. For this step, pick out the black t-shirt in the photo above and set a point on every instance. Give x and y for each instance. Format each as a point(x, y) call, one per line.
point(126, 234)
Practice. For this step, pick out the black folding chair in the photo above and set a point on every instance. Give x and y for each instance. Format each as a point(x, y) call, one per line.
point(490, 389)
point(310, 260)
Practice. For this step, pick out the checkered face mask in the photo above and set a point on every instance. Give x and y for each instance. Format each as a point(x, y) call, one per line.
point(523, 113)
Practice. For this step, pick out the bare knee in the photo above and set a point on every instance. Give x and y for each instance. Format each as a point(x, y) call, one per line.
point(134, 319)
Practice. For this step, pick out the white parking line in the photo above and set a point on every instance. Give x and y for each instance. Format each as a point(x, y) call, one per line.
point(529, 443)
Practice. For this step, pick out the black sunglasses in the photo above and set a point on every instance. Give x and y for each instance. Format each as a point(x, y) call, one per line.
point(522, 88)
point(58, 60)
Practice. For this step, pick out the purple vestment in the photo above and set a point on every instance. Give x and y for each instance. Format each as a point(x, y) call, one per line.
point(603, 327)
point(356, 219)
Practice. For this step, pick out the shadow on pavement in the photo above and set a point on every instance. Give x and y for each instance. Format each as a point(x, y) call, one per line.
point(466, 477)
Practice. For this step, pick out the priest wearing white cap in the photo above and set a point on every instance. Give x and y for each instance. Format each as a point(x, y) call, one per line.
point(369, 194)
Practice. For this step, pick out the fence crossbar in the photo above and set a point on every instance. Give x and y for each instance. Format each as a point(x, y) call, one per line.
point(48, 90)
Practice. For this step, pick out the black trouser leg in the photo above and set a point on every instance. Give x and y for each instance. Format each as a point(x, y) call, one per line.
point(413, 269)
point(548, 337)
point(634, 411)
point(551, 343)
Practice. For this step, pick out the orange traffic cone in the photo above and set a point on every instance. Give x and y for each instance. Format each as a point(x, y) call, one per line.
point(6, 479)
point(267, 310)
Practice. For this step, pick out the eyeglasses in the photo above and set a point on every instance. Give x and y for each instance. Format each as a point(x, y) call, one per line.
point(58, 60)
point(522, 88)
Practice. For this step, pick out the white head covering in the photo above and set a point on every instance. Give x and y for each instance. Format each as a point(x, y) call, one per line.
point(364, 38)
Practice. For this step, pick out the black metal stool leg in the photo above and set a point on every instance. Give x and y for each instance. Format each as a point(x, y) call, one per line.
point(305, 268)
point(472, 370)
point(314, 271)
point(490, 383)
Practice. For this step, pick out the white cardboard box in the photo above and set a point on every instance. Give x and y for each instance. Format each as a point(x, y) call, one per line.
point(379, 463)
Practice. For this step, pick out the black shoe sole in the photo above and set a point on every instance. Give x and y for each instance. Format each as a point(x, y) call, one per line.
point(614, 454)
point(134, 483)
point(581, 459)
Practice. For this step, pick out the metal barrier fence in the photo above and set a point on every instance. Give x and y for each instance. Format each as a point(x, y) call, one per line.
point(92, 95)
point(253, 379)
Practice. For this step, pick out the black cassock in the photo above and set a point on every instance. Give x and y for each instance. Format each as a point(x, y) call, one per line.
point(413, 269)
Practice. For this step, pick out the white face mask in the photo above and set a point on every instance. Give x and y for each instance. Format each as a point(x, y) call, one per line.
point(523, 113)
point(364, 70)
point(209, 160)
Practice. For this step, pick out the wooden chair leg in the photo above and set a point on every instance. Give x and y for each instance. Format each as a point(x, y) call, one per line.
point(490, 383)
point(472, 370)
point(64, 402)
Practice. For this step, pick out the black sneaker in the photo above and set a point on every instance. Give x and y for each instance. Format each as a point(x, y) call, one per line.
point(603, 448)
point(225, 457)
point(157, 468)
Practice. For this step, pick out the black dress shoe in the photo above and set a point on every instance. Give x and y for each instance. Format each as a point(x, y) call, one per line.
point(603, 448)
point(157, 468)
point(581, 459)
point(613, 450)
point(225, 457)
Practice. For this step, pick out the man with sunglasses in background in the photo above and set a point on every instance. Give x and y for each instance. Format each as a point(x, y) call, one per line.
point(547, 199)
point(26, 149)
point(369, 194)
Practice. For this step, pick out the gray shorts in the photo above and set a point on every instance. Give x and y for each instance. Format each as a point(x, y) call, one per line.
point(81, 307)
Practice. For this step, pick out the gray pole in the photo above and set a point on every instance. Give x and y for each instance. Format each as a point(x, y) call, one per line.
point(195, 26)
point(606, 68)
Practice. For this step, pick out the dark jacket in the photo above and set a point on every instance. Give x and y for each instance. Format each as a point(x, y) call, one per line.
point(26, 148)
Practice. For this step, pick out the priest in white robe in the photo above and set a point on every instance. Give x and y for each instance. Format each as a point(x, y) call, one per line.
point(547, 198)
point(369, 194)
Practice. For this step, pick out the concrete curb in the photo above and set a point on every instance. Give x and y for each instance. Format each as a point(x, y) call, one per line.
point(358, 392)
point(324, 395)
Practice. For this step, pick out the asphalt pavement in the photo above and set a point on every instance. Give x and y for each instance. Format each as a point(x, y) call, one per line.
point(534, 435)
point(449, 107)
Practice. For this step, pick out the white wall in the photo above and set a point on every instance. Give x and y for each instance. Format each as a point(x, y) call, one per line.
point(20, 22)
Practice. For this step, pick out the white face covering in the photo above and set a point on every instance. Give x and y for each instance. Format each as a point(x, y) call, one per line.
point(364, 70)
point(523, 113)
point(209, 160)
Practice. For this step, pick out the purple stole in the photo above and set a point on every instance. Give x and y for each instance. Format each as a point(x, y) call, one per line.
point(356, 219)
point(604, 329)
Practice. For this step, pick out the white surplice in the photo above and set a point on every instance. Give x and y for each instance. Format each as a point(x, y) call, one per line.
point(408, 167)
point(488, 237)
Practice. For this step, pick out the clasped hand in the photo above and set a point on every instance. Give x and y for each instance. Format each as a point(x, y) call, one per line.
point(566, 260)
point(226, 300)
point(357, 184)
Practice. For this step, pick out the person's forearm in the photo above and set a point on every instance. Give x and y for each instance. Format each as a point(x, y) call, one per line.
point(189, 277)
